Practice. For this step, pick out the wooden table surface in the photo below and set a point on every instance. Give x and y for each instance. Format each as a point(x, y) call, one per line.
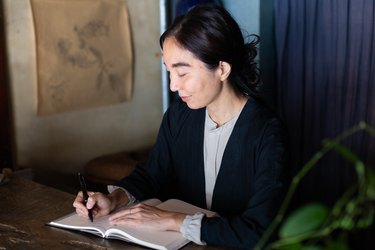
point(26, 207)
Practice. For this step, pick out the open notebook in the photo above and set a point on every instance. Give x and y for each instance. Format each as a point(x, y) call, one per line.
point(167, 240)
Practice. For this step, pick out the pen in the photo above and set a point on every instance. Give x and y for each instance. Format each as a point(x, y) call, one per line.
point(84, 192)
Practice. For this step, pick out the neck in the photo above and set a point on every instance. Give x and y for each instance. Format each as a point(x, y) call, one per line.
point(226, 108)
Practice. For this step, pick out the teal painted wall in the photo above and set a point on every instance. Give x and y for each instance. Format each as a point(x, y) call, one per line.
point(246, 13)
point(256, 17)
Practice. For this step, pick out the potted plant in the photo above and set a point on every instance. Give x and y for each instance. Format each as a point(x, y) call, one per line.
point(314, 226)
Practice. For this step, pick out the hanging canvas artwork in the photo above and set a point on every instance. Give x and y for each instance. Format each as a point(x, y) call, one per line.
point(84, 54)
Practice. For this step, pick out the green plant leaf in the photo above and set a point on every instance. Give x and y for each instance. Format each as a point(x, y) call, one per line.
point(337, 245)
point(366, 217)
point(295, 246)
point(351, 156)
point(371, 184)
point(304, 220)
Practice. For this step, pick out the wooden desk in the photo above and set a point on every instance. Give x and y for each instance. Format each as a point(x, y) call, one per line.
point(25, 207)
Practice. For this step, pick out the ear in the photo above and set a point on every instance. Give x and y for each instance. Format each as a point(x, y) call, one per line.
point(224, 69)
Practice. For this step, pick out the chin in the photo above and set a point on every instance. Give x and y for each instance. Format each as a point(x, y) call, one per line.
point(194, 106)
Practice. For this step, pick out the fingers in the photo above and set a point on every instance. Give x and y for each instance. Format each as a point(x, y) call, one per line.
point(79, 203)
point(139, 212)
point(91, 201)
point(125, 213)
point(144, 216)
point(122, 214)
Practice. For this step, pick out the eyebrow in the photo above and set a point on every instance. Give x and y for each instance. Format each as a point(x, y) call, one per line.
point(179, 64)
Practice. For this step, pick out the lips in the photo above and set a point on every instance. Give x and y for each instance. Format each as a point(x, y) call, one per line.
point(185, 98)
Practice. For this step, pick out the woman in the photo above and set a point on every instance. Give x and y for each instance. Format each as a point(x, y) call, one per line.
point(218, 146)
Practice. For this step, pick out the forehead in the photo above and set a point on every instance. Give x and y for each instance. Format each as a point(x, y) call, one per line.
point(174, 55)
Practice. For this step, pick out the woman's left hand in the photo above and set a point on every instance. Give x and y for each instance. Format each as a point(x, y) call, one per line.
point(150, 217)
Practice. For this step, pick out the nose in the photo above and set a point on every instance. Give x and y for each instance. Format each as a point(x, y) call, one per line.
point(173, 87)
point(173, 84)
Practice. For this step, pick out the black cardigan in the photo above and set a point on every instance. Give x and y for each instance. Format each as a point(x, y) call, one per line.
point(249, 185)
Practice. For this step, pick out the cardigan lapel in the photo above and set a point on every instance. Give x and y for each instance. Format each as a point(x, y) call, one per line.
point(233, 156)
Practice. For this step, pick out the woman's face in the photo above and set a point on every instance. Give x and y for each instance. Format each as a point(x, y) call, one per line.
point(195, 83)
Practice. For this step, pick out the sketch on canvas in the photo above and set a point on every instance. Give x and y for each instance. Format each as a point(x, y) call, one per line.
point(84, 54)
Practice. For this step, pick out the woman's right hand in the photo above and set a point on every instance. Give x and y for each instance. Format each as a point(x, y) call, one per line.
point(100, 204)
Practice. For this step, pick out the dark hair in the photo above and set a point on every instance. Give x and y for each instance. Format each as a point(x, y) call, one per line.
point(212, 35)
